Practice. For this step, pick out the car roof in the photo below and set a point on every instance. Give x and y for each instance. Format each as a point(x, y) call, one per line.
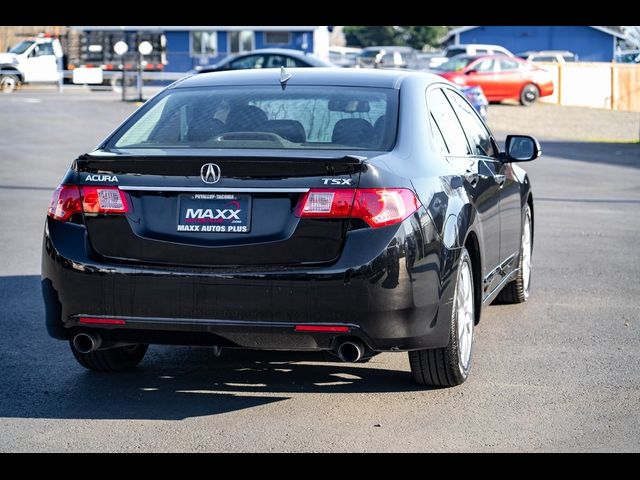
point(282, 51)
point(305, 76)
point(276, 51)
point(483, 55)
point(391, 48)
point(299, 54)
point(345, 49)
point(475, 45)
point(547, 52)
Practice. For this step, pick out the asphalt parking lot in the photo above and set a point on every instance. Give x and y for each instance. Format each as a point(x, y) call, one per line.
point(559, 373)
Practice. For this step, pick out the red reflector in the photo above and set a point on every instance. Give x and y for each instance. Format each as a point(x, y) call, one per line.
point(103, 321)
point(321, 328)
point(378, 207)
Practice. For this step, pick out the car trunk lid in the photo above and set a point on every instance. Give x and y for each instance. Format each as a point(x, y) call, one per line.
point(216, 210)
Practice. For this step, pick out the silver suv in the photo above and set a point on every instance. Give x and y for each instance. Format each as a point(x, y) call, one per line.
point(387, 57)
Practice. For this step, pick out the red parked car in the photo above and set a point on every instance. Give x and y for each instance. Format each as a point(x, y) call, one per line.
point(501, 77)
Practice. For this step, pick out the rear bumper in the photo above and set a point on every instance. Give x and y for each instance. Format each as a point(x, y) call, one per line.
point(546, 89)
point(391, 287)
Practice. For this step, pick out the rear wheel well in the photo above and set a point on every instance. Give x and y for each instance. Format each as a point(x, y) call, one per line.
point(472, 246)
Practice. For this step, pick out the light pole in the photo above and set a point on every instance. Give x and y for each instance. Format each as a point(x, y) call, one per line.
point(121, 48)
point(145, 48)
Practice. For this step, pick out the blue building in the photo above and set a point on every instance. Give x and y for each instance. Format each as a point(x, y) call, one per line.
point(186, 47)
point(591, 44)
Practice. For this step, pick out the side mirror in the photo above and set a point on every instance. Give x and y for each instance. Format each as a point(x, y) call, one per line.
point(520, 148)
point(469, 72)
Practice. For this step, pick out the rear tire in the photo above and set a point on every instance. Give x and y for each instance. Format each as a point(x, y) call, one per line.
point(517, 291)
point(529, 95)
point(450, 366)
point(118, 359)
point(8, 83)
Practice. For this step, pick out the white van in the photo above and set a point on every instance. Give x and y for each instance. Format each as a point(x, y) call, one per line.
point(475, 49)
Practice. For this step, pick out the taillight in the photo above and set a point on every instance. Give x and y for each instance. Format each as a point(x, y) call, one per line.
point(65, 202)
point(327, 203)
point(382, 207)
point(378, 207)
point(68, 200)
point(103, 200)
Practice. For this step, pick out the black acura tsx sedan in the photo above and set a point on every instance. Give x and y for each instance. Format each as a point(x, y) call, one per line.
point(311, 209)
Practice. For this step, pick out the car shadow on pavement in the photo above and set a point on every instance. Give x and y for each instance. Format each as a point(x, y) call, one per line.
point(42, 380)
point(623, 154)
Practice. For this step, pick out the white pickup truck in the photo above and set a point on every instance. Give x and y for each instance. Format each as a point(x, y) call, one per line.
point(33, 60)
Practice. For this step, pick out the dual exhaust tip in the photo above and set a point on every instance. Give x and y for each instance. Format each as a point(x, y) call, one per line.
point(350, 351)
point(87, 342)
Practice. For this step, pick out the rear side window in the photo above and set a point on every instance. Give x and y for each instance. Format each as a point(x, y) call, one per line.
point(277, 61)
point(437, 136)
point(543, 58)
point(446, 120)
point(484, 66)
point(252, 61)
point(479, 137)
point(508, 65)
point(298, 117)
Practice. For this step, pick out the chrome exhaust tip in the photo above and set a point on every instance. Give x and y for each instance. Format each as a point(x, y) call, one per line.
point(350, 351)
point(86, 342)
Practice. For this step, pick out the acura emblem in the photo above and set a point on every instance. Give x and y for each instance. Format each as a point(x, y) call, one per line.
point(210, 173)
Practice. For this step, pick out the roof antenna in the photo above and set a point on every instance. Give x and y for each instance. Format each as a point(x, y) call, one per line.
point(284, 77)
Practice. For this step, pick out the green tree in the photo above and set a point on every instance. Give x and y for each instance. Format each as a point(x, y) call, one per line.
point(371, 36)
point(416, 36)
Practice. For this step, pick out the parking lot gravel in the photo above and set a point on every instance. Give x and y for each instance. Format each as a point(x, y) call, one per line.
point(566, 123)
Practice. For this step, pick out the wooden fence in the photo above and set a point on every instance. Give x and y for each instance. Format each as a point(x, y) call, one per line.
point(614, 86)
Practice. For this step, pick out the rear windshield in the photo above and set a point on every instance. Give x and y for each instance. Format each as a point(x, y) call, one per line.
point(370, 53)
point(298, 117)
